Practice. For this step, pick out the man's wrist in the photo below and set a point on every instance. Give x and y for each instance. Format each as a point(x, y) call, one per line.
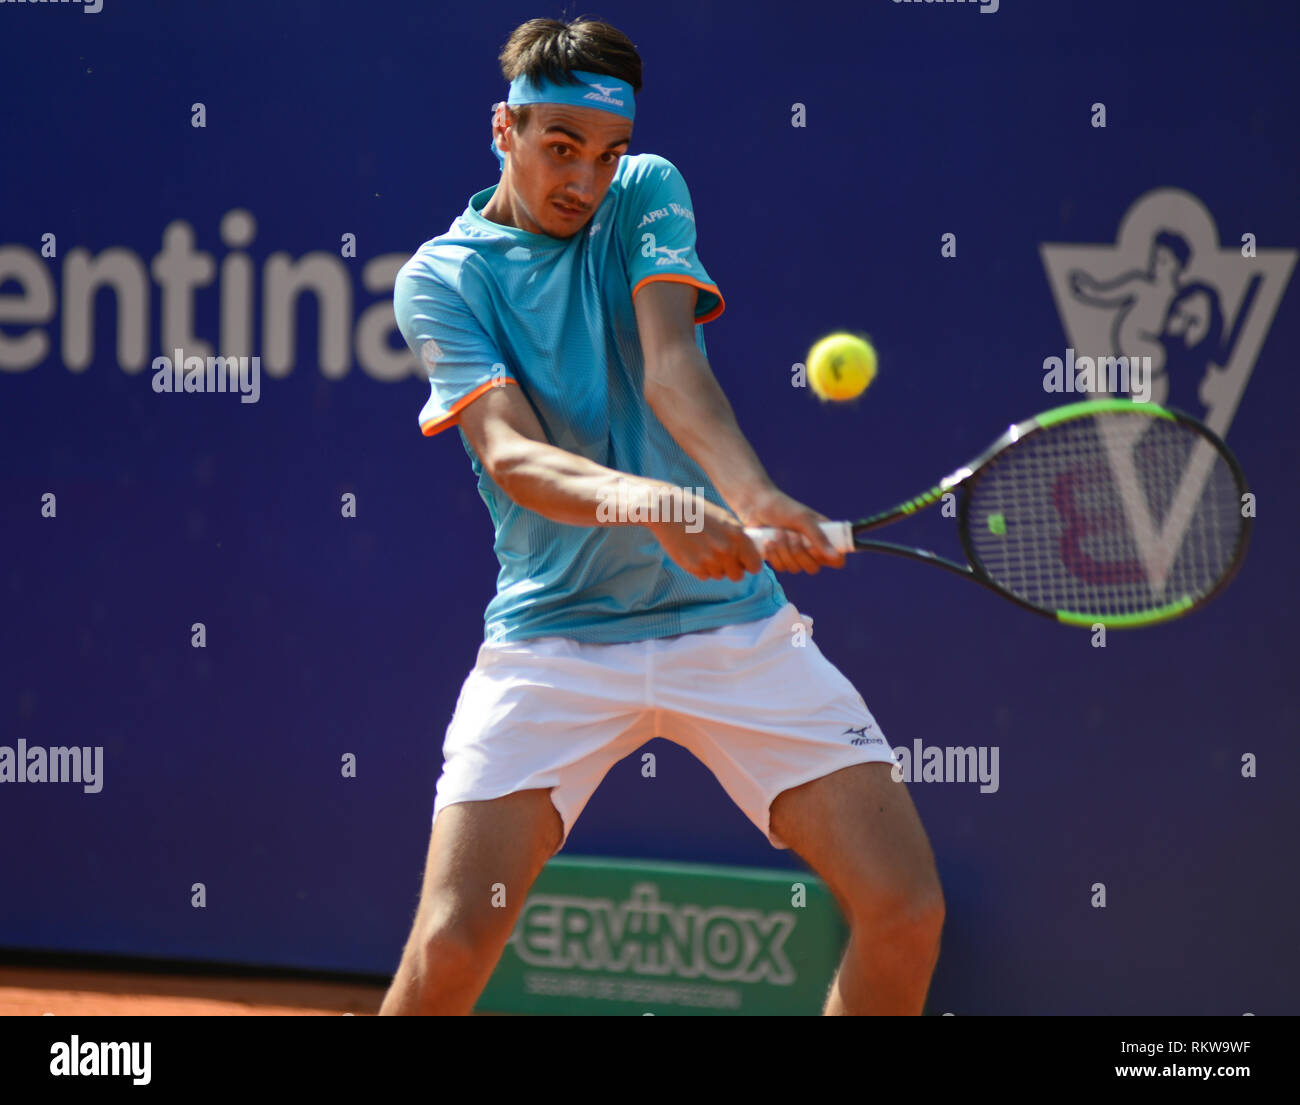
point(748, 498)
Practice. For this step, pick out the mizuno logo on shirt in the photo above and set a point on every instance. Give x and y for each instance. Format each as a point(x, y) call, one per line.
point(672, 256)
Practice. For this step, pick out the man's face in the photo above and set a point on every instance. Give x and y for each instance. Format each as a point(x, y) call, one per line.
point(565, 156)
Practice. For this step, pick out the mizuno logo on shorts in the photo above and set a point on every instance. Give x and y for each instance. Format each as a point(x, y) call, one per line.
point(862, 737)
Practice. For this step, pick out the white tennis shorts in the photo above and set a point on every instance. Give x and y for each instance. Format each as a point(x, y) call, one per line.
point(757, 703)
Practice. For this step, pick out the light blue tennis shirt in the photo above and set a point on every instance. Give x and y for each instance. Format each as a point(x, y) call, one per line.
point(487, 305)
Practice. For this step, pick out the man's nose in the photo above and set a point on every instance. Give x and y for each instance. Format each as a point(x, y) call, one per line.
point(581, 185)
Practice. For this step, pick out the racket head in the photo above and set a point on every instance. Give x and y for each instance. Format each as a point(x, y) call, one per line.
point(1106, 512)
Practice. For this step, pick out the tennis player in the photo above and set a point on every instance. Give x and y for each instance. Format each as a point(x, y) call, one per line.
point(560, 320)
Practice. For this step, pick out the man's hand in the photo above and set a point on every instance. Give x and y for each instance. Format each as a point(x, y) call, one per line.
point(802, 547)
point(718, 548)
point(721, 549)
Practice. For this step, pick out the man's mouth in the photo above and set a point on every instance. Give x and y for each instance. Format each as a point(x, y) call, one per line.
point(568, 212)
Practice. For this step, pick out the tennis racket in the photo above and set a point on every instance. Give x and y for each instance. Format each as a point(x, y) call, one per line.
point(1107, 511)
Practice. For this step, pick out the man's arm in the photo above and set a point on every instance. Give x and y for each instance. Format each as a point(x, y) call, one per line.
point(685, 396)
point(511, 445)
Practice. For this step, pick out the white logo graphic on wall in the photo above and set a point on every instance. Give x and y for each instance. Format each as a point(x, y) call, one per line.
point(1166, 290)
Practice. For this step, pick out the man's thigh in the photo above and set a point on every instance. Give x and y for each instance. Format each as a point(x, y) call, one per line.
point(858, 829)
point(483, 857)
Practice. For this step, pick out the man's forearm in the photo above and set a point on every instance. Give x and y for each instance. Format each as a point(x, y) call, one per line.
point(694, 409)
point(565, 487)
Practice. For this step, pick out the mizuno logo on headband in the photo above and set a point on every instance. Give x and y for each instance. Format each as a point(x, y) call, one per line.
point(594, 90)
point(604, 93)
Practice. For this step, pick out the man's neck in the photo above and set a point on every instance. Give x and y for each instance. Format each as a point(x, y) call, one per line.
point(499, 209)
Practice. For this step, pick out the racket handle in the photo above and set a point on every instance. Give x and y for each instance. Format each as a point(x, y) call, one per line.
point(839, 534)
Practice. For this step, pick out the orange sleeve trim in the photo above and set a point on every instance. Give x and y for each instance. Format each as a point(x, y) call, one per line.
point(677, 278)
point(451, 417)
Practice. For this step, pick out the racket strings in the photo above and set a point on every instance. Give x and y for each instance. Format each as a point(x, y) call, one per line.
point(1112, 514)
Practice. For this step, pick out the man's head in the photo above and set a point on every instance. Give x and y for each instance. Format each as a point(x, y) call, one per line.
point(555, 153)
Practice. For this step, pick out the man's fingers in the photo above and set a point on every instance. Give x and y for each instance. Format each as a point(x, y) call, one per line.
point(796, 555)
point(806, 555)
point(774, 553)
point(799, 550)
point(821, 546)
point(750, 558)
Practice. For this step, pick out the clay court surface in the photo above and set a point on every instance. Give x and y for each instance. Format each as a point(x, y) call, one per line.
point(65, 992)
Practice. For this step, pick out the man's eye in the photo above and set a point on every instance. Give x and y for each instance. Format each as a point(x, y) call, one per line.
point(560, 147)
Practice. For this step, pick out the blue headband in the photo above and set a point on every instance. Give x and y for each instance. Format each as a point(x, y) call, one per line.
point(598, 90)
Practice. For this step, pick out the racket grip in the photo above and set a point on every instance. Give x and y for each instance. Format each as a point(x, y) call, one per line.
point(839, 534)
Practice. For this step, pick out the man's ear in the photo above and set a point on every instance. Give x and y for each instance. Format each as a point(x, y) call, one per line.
point(500, 118)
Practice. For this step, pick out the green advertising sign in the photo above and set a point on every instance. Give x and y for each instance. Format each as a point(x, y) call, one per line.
point(601, 936)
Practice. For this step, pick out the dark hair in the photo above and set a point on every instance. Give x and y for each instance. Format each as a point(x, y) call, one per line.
point(550, 49)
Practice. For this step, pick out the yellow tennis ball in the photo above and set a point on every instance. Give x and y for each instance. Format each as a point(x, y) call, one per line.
point(841, 366)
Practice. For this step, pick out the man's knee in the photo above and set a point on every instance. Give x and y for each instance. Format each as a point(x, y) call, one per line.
point(462, 944)
point(912, 910)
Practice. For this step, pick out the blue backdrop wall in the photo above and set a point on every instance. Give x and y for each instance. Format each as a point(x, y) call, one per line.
point(328, 636)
